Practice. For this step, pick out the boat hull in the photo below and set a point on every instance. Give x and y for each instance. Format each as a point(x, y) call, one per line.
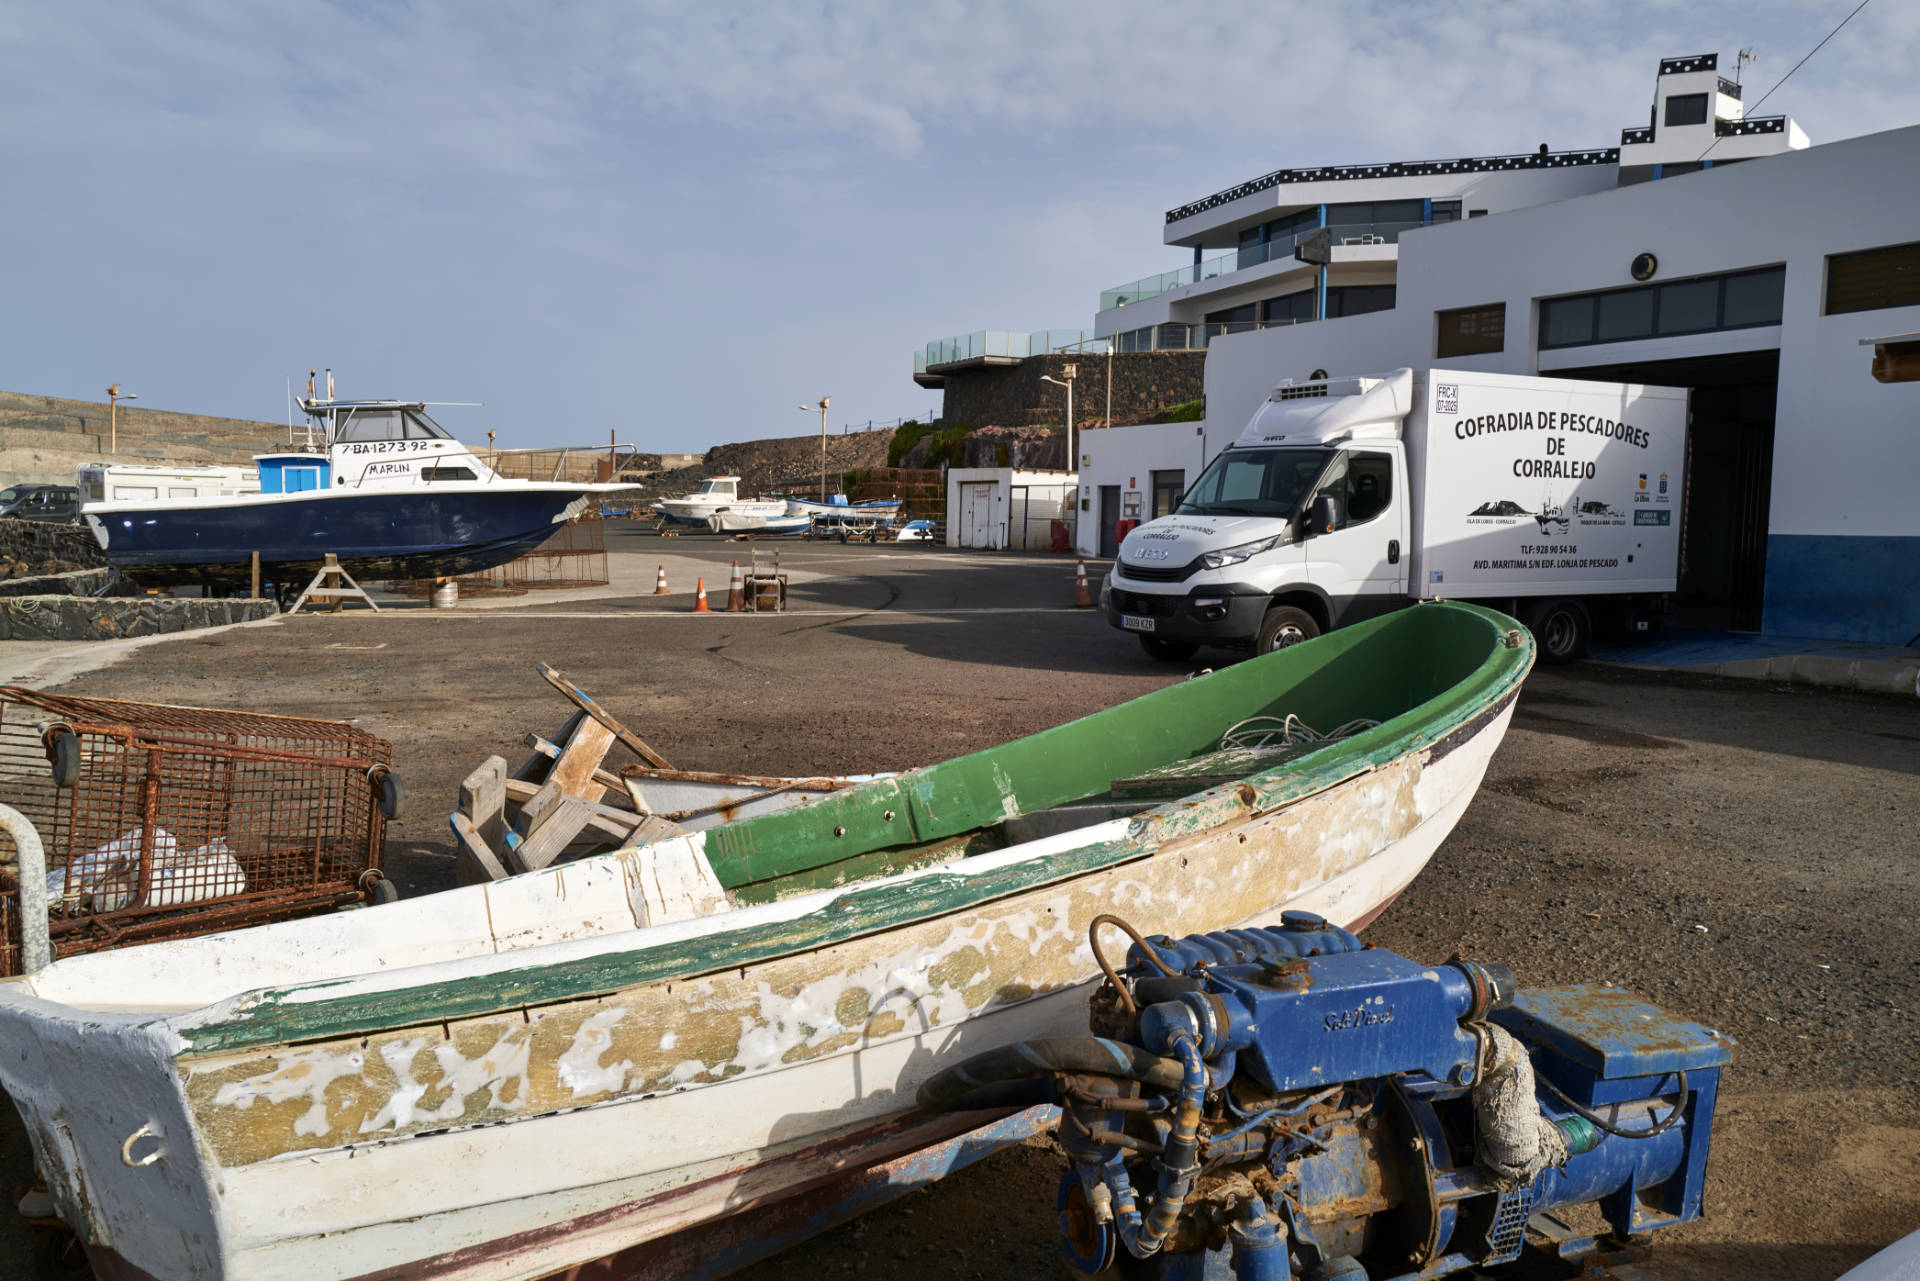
point(492, 1117)
point(388, 534)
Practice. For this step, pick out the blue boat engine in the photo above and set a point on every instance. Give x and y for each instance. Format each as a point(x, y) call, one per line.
point(1289, 1102)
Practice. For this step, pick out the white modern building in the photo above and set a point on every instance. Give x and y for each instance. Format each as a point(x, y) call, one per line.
point(1710, 250)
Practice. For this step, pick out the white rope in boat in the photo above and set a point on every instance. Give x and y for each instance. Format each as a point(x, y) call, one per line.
point(1274, 733)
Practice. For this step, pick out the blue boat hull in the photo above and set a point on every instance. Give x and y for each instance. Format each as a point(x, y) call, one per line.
point(392, 535)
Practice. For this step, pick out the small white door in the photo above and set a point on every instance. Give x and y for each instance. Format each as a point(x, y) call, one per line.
point(1363, 558)
point(976, 514)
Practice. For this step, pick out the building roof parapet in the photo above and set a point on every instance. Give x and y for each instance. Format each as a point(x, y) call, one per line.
point(1693, 62)
point(1634, 137)
point(1730, 88)
point(1399, 169)
point(1749, 126)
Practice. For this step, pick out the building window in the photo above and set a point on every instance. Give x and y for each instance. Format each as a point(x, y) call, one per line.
point(1167, 487)
point(1446, 211)
point(1741, 300)
point(1289, 309)
point(1472, 331)
point(1476, 213)
point(1358, 300)
point(1687, 109)
point(1874, 278)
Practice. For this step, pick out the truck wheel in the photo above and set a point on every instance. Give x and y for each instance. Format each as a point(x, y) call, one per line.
point(1284, 626)
point(1562, 629)
point(1168, 651)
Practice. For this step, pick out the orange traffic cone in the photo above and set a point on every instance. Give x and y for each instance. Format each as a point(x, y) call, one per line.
point(700, 596)
point(736, 592)
point(660, 582)
point(1082, 597)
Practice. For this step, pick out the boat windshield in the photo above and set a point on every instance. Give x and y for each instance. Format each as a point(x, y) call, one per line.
point(1255, 482)
point(708, 487)
point(386, 423)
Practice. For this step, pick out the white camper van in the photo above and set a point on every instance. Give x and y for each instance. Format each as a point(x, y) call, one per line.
point(1555, 500)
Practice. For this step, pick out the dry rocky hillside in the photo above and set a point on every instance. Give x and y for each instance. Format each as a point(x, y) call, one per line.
point(786, 466)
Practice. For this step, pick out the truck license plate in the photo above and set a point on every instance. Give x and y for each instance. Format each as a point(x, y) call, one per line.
point(1134, 623)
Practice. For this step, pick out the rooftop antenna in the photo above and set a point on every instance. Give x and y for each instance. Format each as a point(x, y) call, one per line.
point(1740, 61)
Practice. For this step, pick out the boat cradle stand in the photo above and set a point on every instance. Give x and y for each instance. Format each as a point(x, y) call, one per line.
point(335, 585)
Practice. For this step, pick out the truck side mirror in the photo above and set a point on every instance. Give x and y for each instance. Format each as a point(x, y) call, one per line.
point(1328, 514)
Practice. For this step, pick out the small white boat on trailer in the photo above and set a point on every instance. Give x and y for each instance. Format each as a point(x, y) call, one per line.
point(725, 1028)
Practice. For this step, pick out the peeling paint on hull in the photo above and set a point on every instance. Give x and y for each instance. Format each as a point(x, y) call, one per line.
point(637, 1100)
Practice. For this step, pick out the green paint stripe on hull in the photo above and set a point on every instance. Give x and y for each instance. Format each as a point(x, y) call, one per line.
point(1384, 670)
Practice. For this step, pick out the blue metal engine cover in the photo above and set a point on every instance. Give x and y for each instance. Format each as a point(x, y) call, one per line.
point(1315, 1021)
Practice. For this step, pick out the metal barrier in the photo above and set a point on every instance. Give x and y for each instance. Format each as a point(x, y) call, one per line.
point(161, 822)
point(574, 555)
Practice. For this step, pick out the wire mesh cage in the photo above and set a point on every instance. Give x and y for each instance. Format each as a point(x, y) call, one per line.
point(160, 821)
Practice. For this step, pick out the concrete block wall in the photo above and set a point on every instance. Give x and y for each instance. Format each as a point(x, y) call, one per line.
point(43, 439)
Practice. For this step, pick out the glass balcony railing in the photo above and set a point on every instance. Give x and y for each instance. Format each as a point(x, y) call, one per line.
point(983, 344)
point(1250, 256)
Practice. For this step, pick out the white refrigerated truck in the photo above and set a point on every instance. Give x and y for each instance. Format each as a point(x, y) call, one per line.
point(1557, 501)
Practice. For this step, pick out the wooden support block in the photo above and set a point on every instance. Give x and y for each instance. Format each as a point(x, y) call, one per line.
point(580, 760)
point(483, 799)
point(474, 861)
point(585, 703)
point(554, 832)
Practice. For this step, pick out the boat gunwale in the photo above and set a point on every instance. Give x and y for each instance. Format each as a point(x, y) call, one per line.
point(280, 1016)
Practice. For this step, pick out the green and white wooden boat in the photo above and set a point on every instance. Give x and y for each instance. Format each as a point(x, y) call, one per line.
point(507, 1080)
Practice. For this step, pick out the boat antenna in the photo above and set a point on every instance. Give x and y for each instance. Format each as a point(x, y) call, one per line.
point(289, 412)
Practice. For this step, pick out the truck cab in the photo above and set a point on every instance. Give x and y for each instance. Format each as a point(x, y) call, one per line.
point(1300, 526)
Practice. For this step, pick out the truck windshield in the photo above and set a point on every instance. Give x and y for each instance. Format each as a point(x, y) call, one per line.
point(1255, 482)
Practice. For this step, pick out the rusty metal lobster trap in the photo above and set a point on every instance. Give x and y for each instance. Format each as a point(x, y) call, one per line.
point(160, 822)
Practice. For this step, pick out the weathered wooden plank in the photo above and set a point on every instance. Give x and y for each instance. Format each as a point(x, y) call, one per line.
point(474, 861)
point(483, 799)
point(580, 760)
point(537, 766)
point(611, 781)
point(585, 703)
point(519, 793)
point(553, 833)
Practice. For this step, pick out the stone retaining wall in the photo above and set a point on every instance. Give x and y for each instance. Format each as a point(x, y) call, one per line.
point(46, 618)
point(1145, 383)
point(44, 438)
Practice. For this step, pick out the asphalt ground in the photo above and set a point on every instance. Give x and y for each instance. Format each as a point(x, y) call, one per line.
point(1741, 853)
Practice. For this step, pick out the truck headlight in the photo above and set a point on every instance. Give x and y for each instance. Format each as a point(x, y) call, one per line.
point(1245, 551)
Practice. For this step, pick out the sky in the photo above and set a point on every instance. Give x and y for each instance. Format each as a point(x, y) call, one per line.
point(678, 222)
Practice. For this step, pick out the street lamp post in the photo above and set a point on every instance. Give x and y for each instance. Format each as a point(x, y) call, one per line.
point(822, 407)
point(1069, 371)
point(114, 397)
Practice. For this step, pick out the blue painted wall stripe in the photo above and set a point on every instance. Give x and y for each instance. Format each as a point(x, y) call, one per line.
point(1842, 586)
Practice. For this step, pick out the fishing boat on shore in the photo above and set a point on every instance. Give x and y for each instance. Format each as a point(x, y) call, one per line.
point(838, 513)
point(382, 486)
point(611, 1058)
point(738, 522)
point(716, 495)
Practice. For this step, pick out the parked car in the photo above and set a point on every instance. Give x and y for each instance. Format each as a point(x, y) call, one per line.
point(41, 502)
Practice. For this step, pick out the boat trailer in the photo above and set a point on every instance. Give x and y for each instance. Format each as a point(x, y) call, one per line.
point(1290, 1103)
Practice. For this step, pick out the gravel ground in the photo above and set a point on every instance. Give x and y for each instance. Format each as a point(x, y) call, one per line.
point(1742, 854)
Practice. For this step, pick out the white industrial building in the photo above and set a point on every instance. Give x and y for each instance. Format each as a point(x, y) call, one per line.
point(1006, 508)
point(1709, 250)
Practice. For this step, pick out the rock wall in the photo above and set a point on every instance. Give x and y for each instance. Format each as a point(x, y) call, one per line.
point(110, 618)
point(43, 547)
point(783, 465)
point(1145, 383)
